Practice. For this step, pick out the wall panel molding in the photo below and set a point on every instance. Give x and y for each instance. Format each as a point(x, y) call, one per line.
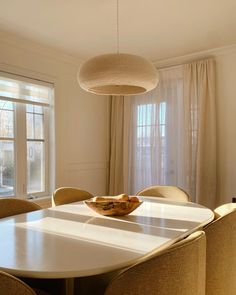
point(91, 176)
point(88, 165)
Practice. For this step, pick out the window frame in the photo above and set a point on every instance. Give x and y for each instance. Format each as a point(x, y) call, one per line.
point(20, 143)
point(9, 138)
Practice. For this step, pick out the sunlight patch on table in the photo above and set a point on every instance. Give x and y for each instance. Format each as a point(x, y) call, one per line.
point(134, 241)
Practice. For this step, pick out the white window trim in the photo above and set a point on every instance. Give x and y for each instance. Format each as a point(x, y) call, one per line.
point(49, 135)
point(20, 148)
point(46, 159)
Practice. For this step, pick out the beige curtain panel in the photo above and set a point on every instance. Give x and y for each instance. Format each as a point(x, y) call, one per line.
point(200, 128)
point(116, 145)
point(119, 145)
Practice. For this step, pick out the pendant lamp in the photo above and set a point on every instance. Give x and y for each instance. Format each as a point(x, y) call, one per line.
point(117, 73)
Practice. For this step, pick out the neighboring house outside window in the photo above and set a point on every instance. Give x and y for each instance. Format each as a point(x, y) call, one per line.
point(25, 107)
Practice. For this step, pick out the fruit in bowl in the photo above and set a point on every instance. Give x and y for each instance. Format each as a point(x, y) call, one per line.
point(114, 206)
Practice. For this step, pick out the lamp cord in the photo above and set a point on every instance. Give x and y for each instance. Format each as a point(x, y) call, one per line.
point(117, 27)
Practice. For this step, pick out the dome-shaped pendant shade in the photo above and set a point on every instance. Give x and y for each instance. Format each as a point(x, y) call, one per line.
point(117, 74)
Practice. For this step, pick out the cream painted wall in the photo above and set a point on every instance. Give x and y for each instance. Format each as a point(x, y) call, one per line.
point(226, 125)
point(81, 119)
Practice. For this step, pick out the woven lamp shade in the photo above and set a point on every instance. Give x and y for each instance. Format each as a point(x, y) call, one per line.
point(117, 74)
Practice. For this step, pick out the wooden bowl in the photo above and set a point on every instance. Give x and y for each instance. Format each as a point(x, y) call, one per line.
point(113, 208)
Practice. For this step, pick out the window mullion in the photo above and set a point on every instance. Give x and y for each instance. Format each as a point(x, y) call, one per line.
point(21, 151)
point(46, 149)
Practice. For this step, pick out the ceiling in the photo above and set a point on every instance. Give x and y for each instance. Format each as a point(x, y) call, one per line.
point(155, 29)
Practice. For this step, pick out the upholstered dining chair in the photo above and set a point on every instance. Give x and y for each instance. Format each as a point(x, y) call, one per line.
point(224, 209)
point(171, 192)
point(12, 206)
point(10, 285)
point(66, 195)
point(221, 252)
point(179, 270)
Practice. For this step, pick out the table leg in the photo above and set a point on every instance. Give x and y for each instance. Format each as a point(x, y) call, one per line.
point(70, 286)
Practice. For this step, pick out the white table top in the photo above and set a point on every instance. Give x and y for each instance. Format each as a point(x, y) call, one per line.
point(73, 241)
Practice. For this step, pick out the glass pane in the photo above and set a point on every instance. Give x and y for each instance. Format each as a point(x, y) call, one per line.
point(30, 125)
point(29, 108)
point(6, 168)
point(162, 113)
point(35, 167)
point(6, 123)
point(163, 130)
point(38, 109)
point(144, 135)
point(24, 90)
point(146, 114)
point(38, 126)
point(34, 126)
point(6, 105)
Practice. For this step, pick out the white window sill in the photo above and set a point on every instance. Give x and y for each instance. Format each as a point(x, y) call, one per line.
point(44, 202)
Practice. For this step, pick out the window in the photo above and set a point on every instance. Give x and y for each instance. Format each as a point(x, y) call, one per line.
point(151, 123)
point(156, 139)
point(24, 136)
point(150, 117)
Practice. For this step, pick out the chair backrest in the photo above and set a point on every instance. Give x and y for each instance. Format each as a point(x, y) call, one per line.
point(10, 285)
point(224, 209)
point(162, 191)
point(66, 195)
point(12, 206)
point(221, 255)
point(178, 270)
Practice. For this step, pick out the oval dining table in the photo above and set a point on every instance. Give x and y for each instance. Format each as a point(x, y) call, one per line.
point(71, 241)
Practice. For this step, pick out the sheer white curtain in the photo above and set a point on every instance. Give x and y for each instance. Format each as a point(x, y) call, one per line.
point(168, 136)
point(156, 148)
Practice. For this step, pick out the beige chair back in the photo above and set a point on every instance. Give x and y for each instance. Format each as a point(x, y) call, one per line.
point(11, 206)
point(66, 195)
point(221, 255)
point(179, 270)
point(224, 209)
point(171, 192)
point(10, 285)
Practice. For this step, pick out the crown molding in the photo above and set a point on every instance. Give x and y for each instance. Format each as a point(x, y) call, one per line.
point(25, 72)
point(226, 50)
point(26, 44)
